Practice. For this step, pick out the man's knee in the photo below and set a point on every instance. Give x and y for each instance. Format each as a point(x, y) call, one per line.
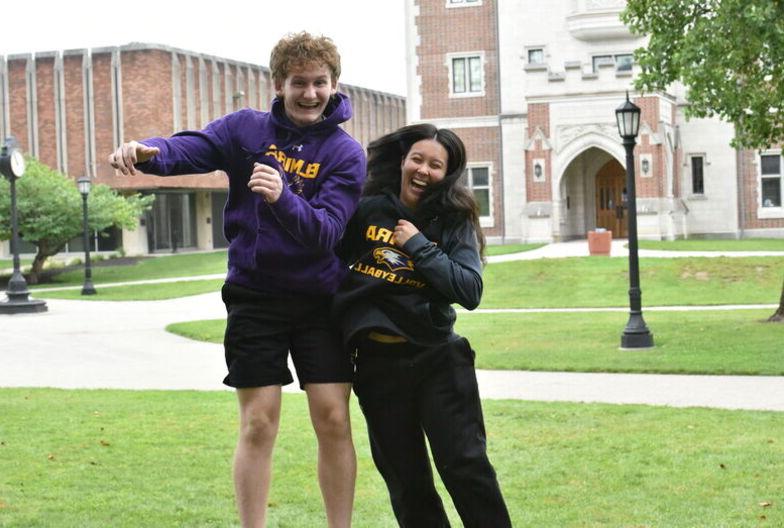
point(332, 424)
point(259, 430)
point(329, 411)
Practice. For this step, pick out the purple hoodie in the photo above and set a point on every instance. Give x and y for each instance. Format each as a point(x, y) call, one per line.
point(286, 247)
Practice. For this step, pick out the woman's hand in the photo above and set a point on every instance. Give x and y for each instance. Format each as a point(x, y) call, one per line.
point(404, 230)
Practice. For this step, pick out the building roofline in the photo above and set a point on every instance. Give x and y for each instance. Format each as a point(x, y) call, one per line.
point(146, 46)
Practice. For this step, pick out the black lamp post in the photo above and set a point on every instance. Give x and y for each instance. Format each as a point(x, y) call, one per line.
point(636, 334)
point(84, 187)
point(12, 165)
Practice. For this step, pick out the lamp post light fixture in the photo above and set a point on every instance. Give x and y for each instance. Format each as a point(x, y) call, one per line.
point(84, 187)
point(636, 333)
point(12, 166)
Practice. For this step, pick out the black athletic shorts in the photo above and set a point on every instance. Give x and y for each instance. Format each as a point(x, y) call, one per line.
point(261, 329)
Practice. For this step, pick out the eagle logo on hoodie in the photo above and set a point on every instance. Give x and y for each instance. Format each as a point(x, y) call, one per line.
point(393, 259)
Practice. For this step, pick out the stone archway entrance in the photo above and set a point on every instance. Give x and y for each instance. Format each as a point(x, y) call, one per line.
point(611, 199)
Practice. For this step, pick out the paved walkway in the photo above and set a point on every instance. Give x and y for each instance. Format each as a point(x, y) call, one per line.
point(103, 344)
point(579, 248)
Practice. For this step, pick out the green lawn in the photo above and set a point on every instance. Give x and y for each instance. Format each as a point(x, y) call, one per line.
point(138, 292)
point(8, 263)
point(723, 342)
point(159, 267)
point(749, 244)
point(715, 342)
point(7, 267)
point(595, 281)
point(127, 459)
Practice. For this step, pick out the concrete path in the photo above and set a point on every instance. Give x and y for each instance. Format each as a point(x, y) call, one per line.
point(103, 344)
point(579, 248)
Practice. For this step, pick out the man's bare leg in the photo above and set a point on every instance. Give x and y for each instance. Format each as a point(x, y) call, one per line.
point(259, 421)
point(337, 461)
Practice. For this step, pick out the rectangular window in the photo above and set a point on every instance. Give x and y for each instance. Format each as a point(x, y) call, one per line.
point(697, 175)
point(478, 180)
point(475, 74)
point(467, 75)
point(171, 223)
point(599, 60)
point(536, 56)
point(458, 75)
point(107, 240)
point(623, 61)
point(770, 169)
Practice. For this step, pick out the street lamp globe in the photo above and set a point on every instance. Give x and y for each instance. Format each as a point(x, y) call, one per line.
point(628, 117)
point(83, 184)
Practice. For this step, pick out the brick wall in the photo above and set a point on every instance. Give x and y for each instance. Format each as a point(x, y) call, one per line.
point(74, 114)
point(653, 186)
point(538, 119)
point(17, 101)
point(147, 94)
point(195, 96)
point(455, 30)
point(102, 104)
point(47, 135)
point(482, 147)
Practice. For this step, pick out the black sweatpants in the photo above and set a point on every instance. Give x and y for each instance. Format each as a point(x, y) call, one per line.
point(408, 393)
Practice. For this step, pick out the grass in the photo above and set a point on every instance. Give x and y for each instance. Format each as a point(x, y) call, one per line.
point(726, 342)
point(139, 292)
point(127, 459)
point(210, 330)
point(8, 263)
point(162, 267)
point(721, 342)
point(510, 248)
point(749, 244)
point(600, 281)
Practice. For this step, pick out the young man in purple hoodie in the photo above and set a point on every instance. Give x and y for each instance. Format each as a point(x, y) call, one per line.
point(294, 181)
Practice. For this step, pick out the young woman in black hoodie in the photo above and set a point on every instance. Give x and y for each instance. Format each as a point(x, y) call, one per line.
point(415, 247)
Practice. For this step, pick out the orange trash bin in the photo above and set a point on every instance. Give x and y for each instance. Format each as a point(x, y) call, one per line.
point(599, 242)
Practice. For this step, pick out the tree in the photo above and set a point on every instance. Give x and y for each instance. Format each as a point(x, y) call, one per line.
point(729, 54)
point(49, 211)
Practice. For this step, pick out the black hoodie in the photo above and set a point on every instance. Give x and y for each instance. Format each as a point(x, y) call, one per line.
point(405, 291)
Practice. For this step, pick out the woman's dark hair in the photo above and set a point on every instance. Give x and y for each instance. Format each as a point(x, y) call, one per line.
point(449, 199)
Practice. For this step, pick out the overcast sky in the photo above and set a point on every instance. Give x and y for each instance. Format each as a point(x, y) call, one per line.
point(370, 34)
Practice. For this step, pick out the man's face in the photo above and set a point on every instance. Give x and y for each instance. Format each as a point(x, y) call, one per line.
point(306, 92)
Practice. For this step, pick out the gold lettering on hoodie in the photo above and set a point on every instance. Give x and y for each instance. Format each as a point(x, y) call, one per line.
point(376, 234)
point(388, 276)
point(291, 165)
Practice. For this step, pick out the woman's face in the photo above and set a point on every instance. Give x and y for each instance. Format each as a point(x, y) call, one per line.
point(424, 165)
